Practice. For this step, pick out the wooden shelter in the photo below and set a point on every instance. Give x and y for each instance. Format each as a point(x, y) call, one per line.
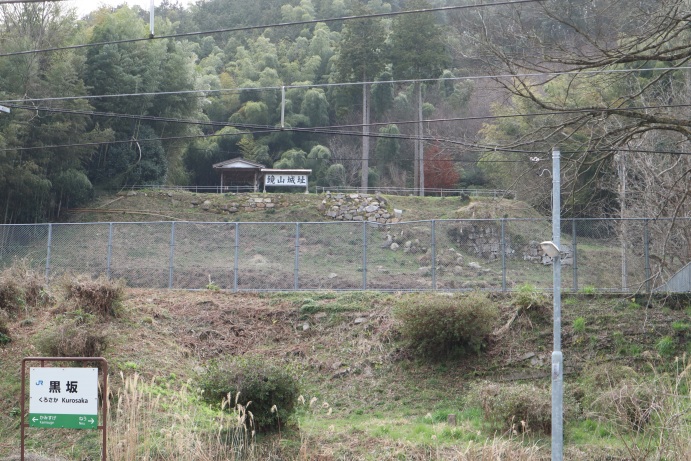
point(240, 174)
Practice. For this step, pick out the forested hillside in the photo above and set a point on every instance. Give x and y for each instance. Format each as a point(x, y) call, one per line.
point(419, 93)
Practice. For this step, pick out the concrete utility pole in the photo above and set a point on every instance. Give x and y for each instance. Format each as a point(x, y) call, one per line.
point(151, 20)
point(557, 358)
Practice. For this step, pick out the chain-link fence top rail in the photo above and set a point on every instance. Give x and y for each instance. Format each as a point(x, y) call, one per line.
point(448, 255)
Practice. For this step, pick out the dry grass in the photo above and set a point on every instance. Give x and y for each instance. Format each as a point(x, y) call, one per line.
point(357, 367)
point(652, 418)
point(152, 422)
point(22, 288)
point(500, 449)
point(73, 338)
point(99, 296)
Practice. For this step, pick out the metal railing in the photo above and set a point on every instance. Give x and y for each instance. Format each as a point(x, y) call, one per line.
point(196, 189)
point(442, 255)
point(437, 192)
point(429, 191)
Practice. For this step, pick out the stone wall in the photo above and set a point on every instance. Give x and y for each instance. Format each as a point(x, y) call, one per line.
point(482, 239)
point(359, 207)
point(240, 203)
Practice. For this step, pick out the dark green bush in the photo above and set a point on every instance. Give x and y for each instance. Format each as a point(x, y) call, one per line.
point(74, 337)
point(101, 296)
point(271, 389)
point(441, 326)
point(515, 407)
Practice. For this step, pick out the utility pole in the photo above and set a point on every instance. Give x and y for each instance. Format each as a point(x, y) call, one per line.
point(151, 20)
point(557, 358)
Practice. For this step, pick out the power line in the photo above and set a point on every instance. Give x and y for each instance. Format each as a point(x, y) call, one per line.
point(355, 125)
point(331, 130)
point(265, 129)
point(4, 2)
point(327, 85)
point(271, 26)
point(473, 147)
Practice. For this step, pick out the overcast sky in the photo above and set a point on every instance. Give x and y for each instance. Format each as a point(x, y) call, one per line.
point(86, 6)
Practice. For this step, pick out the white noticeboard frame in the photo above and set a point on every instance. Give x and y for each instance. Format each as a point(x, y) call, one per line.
point(63, 397)
point(286, 180)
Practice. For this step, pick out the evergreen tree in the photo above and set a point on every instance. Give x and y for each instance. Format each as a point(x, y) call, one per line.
point(418, 51)
point(361, 57)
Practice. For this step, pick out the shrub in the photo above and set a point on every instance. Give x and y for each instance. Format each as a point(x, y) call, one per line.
point(618, 394)
point(100, 296)
point(666, 346)
point(75, 337)
point(588, 290)
point(441, 326)
point(681, 328)
point(579, 325)
point(11, 295)
point(32, 283)
point(271, 391)
point(515, 407)
point(649, 415)
point(4, 332)
point(529, 298)
point(630, 404)
point(21, 287)
point(596, 379)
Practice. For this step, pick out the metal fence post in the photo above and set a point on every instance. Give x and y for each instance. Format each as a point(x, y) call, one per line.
point(434, 255)
point(49, 244)
point(503, 255)
point(574, 254)
point(171, 260)
point(646, 252)
point(236, 258)
point(109, 256)
point(364, 255)
point(296, 282)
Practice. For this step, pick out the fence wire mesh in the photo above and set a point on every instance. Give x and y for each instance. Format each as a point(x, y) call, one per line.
point(450, 255)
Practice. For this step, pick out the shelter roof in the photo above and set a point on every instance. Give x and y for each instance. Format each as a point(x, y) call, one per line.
point(285, 171)
point(237, 163)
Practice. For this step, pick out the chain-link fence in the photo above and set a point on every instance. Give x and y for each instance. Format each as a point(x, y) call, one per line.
point(446, 255)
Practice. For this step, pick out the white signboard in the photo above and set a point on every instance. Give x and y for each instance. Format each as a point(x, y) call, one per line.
point(290, 180)
point(63, 397)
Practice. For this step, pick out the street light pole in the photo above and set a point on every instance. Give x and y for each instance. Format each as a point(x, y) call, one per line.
point(557, 358)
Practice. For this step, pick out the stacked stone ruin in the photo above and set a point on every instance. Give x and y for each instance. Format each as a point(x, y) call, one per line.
point(359, 207)
point(248, 204)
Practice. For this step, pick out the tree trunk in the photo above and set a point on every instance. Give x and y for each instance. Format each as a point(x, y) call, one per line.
point(621, 170)
point(365, 136)
point(416, 161)
point(420, 147)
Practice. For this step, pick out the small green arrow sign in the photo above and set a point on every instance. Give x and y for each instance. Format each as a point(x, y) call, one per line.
point(66, 421)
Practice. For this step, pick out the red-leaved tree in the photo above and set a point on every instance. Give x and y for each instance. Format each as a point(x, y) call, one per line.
point(440, 169)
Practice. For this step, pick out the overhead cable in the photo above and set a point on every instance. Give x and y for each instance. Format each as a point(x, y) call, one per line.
point(271, 26)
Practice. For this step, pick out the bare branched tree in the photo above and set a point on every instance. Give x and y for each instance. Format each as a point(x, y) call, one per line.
point(609, 82)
